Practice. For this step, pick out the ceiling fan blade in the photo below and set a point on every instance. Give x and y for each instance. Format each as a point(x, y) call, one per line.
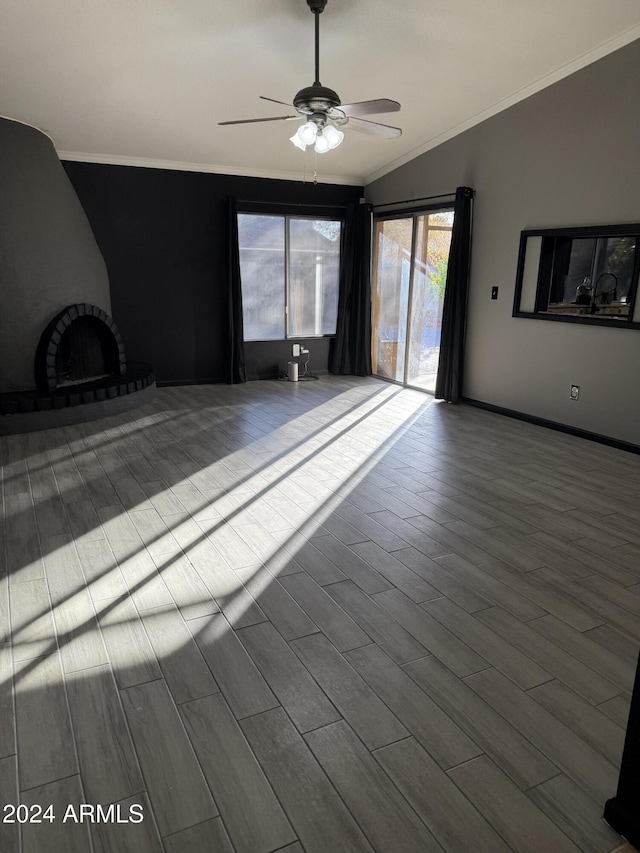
point(273, 101)
point(370, 108)
point(374, 128)
point(253, 120)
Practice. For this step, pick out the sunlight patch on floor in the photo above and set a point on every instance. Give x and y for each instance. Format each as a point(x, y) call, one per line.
point(302, 471)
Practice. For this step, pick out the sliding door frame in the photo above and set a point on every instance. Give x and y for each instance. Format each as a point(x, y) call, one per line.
point(414, 214)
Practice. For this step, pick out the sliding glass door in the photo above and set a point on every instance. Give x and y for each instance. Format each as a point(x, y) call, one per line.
point(392, 274)
point(410, 270)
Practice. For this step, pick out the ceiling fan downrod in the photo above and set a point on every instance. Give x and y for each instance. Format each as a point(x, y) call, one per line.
point(317, 7)
point(316, 99)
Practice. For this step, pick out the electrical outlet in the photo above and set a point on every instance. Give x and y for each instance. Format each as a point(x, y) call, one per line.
point(295, 350)
point(574, 394)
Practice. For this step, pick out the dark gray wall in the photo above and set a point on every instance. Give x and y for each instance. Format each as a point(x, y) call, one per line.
point(567, 156)
point(162, 234)
point(268, 359)
point(49, 258)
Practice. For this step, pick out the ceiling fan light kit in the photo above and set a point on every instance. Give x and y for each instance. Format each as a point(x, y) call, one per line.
point(333, 136)
point(323, 111)
point(322, 138)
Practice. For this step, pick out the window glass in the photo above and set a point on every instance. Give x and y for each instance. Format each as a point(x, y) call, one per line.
point(410, 262)
point(294, 296)
point(262, 266)
point(391, 297)
point(314, 265)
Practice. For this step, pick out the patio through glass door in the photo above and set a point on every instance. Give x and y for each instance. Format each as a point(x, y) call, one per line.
point(411, 253)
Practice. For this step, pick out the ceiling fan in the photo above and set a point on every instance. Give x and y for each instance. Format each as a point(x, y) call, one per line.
point(323, 111)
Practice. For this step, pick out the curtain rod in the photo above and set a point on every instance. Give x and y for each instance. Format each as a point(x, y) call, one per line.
point(289, 203)
point(414, 200)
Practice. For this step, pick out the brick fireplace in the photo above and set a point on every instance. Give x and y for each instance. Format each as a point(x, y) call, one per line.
point(82, 343)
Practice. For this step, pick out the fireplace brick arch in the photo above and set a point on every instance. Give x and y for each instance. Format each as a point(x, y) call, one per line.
point(45, 361)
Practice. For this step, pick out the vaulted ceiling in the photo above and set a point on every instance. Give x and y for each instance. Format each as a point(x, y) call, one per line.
point(146, 82)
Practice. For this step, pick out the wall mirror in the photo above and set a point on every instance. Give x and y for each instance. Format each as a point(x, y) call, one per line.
point(584, 275)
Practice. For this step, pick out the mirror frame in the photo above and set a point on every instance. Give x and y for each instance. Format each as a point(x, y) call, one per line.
point(578, 232)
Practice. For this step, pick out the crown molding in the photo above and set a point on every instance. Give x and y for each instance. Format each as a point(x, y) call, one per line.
point(175, 165)
point(591, 56)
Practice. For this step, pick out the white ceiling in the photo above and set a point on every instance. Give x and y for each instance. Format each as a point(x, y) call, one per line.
point(144, 82)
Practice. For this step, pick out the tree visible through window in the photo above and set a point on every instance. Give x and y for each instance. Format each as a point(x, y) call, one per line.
point(289, 268)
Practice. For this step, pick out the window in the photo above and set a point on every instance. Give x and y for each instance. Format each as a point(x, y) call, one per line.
point(289, 266)
point(579, 274)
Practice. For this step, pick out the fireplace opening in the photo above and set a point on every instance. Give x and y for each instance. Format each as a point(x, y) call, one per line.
point(80, 344)
point(81, 374)
point(87, 350)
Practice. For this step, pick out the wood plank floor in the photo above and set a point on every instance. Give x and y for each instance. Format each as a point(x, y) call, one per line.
point(316, 618)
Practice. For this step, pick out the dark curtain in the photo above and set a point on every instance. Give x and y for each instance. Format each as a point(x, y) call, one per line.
point(235, 368)
point(351, 352)
point(621, 812)
point(454, 310)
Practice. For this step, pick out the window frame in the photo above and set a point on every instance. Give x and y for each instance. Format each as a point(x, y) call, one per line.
point(540, 309)
point(337, 216)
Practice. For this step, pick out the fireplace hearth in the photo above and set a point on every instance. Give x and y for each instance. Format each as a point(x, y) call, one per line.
point(28, 411)
point(80, 373)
